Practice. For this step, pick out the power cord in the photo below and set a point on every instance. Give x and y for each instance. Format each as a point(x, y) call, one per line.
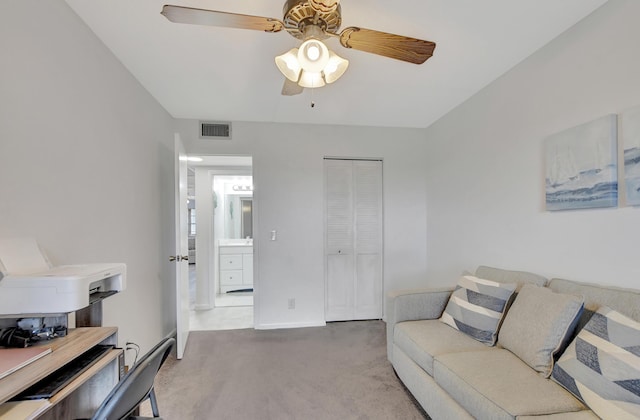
point(133, 346)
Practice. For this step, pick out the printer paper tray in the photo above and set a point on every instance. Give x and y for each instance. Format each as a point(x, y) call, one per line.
point(98, 296)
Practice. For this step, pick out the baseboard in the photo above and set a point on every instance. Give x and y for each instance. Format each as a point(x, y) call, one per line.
point(173, 334)
point(289, 325)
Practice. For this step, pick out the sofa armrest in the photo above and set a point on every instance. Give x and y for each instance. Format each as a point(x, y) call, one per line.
point(412, 305)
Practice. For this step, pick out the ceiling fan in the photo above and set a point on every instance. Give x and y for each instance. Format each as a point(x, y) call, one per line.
point(312, 64)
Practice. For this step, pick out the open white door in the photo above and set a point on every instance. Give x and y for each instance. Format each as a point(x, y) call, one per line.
point(181, 258)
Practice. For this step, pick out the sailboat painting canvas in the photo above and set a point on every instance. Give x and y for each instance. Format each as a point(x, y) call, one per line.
point(630, 135)
point(581, 166)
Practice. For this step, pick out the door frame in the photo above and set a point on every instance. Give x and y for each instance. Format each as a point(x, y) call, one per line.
point(222, 169)
point(214, 263)
point(206, 269)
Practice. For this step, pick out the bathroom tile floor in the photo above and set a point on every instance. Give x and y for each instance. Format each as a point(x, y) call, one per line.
point(234, 299)
point(233, 311)
point(221, 318)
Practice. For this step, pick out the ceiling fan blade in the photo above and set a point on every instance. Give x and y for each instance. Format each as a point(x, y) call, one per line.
point(403, 48)
point(179, 14)
point(291, 88)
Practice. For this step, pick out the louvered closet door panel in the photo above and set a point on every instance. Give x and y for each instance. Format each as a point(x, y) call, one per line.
point(368, 206)
point(339, 240)
point(368, 239)
point(368, 289)
point(339, 202)
point(339, 300)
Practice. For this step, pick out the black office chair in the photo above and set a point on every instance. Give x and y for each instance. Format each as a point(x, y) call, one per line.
point(136, 386)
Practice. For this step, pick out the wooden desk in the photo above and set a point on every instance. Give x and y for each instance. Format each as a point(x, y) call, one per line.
point(81, 397)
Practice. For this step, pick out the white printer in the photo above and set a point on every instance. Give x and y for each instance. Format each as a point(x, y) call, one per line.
point(30, 285)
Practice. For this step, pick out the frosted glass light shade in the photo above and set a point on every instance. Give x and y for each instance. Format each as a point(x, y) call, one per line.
point(335, 68)
point(313, 55)
point(310, 79)
point(312, 65)
point(288, 65)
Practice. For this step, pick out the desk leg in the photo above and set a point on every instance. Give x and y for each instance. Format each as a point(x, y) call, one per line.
point(91, 316)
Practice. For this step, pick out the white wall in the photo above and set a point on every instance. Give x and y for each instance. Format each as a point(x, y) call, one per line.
point(485, 184)
point(86, 167)
point(86, 161)
point(288, 198)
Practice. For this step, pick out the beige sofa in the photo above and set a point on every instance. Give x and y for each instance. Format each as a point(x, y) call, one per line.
point(453, 376)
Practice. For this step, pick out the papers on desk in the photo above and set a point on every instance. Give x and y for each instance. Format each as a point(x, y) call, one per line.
point(23, 410)
point(13, 359)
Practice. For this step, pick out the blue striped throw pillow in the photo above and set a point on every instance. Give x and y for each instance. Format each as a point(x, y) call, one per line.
point(602, 365)
point(477, 306)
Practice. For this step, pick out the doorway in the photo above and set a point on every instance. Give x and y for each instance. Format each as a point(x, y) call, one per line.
point(221, 220)
point(233, 238)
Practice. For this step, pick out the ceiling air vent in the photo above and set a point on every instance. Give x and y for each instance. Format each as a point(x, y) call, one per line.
point(215, 130)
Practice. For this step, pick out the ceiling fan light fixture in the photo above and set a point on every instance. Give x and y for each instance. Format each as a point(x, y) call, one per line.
point(313, 64)
point(335, 68)
point(311, 79)
point(289, 65)
point(313, 55)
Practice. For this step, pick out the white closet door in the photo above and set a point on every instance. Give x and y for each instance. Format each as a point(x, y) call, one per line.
point(353, 247)
point(339, 242)
point(368, 239)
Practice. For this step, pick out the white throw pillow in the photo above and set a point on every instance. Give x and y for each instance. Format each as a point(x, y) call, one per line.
point(602, 365)
point(477, 306)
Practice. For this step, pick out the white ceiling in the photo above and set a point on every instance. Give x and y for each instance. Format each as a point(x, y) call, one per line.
point(225, 74)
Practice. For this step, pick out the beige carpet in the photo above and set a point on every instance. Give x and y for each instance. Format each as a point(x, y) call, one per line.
point(335, 372)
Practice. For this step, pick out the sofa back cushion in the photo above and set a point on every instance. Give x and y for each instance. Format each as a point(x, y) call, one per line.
point(510, 276)
point(539, 323)
point(476, 307)
point(625, 301)
point(602, 365)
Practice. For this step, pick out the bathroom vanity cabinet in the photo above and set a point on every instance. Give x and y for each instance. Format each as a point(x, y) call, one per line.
point(236, 267)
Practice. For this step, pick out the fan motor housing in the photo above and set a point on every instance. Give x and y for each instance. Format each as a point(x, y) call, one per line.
point(298, 14)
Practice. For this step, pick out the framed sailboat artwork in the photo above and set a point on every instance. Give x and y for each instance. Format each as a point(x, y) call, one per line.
point(581, 166)
point(630, 136)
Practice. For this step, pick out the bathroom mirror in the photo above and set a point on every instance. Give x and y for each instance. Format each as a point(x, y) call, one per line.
point(234, 204)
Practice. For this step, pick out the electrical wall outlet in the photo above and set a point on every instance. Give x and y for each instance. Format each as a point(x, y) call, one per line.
point(292, 303)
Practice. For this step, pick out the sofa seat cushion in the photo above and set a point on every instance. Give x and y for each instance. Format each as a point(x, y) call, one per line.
point(498, 385)
point(422, 340)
